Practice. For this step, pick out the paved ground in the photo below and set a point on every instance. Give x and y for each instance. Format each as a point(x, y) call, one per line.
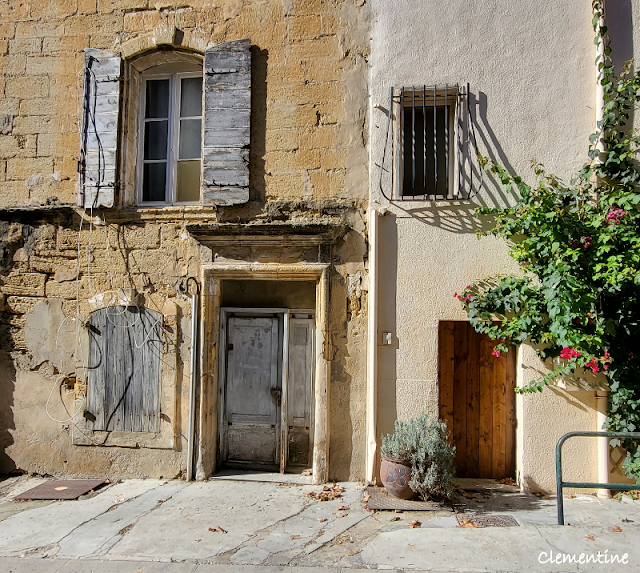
point(152, 526)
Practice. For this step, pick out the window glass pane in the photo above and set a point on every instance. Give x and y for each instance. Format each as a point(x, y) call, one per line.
point(191, 97)
point(190, 138)
point(188, 181)
point(155, 139)
point(157, 98)
point(154, 181)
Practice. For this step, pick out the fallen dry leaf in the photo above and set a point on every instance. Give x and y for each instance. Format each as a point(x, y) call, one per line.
point(415, 523)
point(508, 481)
point(307, 472)
point(569, 496)
point(342, 508)
point(352, 553)
point(339, 515)
point(322, 519)
point(467, 523)
point(617, 529)
point(218, 529)
point(326, 488)
point(161, 500)
point(294, 537)
point(396, 519)
point(480, 500)
point(116, 520)
point(197, 540)
point(398, 511)
point(366, 498)
point(590, 537)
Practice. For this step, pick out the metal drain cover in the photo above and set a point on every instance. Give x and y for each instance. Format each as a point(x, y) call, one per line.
point(487, 520)
point(61, 489)
point(380, 499)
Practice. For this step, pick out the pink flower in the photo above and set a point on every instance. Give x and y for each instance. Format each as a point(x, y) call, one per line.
point(496, 353)
point(569, 353)
point(586, 242)
point(614, 216)
point(593, 364)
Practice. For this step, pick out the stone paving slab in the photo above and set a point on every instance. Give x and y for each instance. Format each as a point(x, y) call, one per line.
point(153, 526)
point(44, 527)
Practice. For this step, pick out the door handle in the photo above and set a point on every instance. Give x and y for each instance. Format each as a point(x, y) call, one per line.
point(275, 392)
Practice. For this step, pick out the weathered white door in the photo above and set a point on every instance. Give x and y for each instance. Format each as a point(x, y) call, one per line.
point(253, 388)
point(299, 392)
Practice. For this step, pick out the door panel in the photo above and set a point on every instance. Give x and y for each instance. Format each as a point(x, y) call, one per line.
point(252, 390)
point(477, 401)
point(300, 391)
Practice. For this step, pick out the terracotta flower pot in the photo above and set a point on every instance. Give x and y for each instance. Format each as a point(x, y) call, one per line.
point(395, 476)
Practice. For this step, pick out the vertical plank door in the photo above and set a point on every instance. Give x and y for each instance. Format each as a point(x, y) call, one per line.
point(477, 401)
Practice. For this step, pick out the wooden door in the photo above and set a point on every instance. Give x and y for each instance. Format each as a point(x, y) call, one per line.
point(477, 401)
point(253, 391)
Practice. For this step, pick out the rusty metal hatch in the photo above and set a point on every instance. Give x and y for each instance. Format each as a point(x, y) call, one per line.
point(487, 520)
point(61, 489)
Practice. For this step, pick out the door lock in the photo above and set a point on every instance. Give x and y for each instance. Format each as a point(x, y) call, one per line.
point(275, 392)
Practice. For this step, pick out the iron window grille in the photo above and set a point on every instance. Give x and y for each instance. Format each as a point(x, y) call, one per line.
point(433, 142)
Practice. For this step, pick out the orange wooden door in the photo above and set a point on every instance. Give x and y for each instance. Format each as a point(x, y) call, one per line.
point(477, 401)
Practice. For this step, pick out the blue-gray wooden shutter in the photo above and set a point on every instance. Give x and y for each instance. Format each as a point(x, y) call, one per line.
point(99, 131)
point(227, 117)
point(125, 359)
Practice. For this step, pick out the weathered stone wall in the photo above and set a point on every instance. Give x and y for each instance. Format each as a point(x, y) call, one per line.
point(308, 148)
point(309, 85)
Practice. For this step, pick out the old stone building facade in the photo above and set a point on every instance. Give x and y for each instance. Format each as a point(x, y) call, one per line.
point(97, 246)
point(231, 230)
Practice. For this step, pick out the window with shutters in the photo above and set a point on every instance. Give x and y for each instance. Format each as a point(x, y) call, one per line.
point(166, 127)
point(124, 371)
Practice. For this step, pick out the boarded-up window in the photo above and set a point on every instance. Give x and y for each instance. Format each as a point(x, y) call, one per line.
point(125, 346)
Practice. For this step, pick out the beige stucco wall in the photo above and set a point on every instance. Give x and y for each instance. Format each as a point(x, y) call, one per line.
point(530, 69)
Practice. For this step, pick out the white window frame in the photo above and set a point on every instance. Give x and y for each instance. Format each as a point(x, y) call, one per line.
point(173, 132)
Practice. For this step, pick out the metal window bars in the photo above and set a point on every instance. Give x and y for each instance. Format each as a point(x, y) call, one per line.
point(432, 143)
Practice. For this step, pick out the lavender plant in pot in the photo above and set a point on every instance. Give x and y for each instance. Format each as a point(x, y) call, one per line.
point(417, 459)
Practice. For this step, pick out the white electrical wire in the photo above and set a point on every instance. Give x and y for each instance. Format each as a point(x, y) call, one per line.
point(58, 382)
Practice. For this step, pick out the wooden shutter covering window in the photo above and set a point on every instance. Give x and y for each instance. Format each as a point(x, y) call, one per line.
point(99, 134)
point(227, 120)
point(125, 347)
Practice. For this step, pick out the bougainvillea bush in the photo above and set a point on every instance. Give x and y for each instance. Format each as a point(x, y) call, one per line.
point(578, 245)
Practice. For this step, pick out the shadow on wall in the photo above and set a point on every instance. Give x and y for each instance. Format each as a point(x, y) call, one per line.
point(12, 237)
point(619, 20)
point(387, 323)
point(458, 216)
point(7, 388)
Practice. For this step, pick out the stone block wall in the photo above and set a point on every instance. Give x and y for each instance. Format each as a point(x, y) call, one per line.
point(309, 84)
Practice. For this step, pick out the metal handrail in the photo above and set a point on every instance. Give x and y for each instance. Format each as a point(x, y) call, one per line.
point(562, 484)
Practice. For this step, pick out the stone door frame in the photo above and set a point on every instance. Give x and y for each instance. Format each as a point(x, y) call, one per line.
point(209, 390)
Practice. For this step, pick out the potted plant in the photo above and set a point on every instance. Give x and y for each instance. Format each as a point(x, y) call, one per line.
point(417, 459)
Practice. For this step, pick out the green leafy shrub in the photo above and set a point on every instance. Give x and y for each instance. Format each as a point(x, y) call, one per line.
point(422, 441)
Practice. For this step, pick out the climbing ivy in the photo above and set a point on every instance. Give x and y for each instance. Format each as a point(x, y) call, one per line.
point(578, 245)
